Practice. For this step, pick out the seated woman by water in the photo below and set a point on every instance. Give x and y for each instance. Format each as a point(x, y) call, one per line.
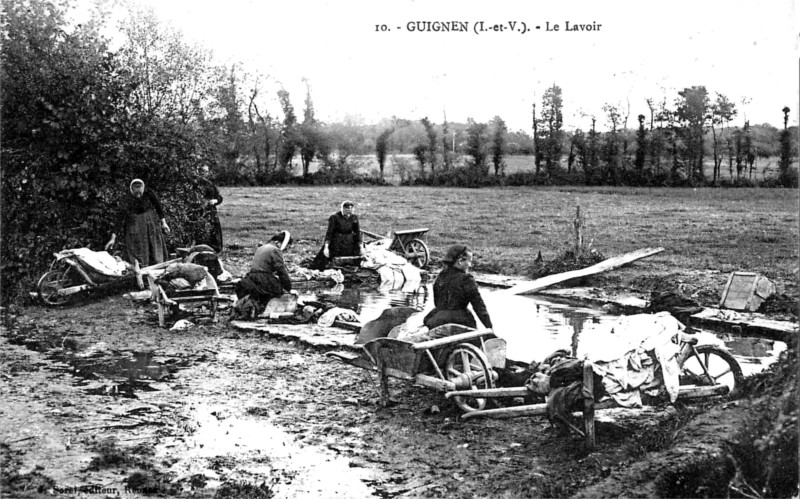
point(343, 237)
point(454, 290)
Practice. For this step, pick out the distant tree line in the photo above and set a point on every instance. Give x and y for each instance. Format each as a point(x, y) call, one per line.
point(690, 142)
point(79, 120)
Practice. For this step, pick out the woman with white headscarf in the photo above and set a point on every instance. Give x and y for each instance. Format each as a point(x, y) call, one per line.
point(142, 226)
point(268, 277)
point(343, 237)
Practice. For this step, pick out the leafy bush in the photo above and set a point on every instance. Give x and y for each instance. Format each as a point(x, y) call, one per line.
point(342, 173)
point(464, 176)
point(737, 182)
point(527, 178)
point(72, 143)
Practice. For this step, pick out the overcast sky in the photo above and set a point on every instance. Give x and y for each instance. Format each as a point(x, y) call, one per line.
point(743, 49)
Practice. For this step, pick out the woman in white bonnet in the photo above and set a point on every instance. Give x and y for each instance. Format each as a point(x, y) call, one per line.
point(268, 277)
point(142, 226)
point(343, 237)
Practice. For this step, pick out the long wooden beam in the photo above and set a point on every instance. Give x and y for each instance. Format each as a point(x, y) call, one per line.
point(609, 264)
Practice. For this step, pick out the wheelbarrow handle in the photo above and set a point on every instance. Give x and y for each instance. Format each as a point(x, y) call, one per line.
point(372, 234)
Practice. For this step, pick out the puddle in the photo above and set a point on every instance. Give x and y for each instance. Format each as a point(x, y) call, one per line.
point(40, 337)
point(100, 371)
point(534, 328)
point(753, 354)
point(138, 365)
point(225, 446)
point(123, 375)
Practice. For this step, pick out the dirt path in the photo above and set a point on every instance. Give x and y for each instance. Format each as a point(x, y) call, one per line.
point(97, 396)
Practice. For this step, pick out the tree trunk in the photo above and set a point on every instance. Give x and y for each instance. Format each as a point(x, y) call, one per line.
point(535, 140)
point(717, 162)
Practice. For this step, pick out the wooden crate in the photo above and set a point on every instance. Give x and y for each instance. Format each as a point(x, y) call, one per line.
point(746, 291)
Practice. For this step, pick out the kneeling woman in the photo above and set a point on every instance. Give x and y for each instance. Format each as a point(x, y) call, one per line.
point(454, 290)
point(268, 277)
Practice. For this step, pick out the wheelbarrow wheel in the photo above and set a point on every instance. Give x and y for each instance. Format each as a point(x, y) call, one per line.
point(420, 254)
point(468, 367)
point(49, 285)
point(710, 366)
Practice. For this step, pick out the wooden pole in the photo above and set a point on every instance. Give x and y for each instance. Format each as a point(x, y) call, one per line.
point(578, 224)
point(372, 234)
point(509, 412)
point(383, 379)
point(588, 405)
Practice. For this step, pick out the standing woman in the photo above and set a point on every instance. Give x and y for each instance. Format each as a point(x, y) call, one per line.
point(454, 289)
point(213, 230)
point(343, 237)
point(141, 223)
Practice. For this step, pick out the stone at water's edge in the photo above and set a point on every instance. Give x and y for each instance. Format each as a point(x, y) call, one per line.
point(284, 304)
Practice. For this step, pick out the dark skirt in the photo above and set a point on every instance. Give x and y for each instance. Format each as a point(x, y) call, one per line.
point(212, 230)
point(144, 240)
point(341, 245)
point(345, 245)
point(261, 286)
point(436, 318)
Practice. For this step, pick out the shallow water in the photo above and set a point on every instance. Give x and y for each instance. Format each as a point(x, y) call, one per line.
point(534, 327)
point(252, 448)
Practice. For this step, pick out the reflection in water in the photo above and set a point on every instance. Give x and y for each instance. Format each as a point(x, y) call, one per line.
point(534, 328)
point(754, 354)
point(369, 303)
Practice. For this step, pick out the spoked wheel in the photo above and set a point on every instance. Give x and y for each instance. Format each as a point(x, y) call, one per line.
point(420, 251)
point(468, 367)
point(49, 285)
point(712, 366)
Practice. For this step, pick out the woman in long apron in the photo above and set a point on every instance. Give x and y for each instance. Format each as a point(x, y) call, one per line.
point(142, 226)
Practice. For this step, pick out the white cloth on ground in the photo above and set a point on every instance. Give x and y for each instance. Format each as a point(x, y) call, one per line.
point(629, 354)
point(319, 275)
point(345, 314)
point(101, 261)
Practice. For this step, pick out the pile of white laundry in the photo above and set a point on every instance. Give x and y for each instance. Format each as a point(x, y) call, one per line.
point(638, 352)
point(395, 271)
point(100, 261)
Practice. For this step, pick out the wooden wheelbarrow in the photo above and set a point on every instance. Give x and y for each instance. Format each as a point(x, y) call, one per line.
point(167, 302)
point(588, 394)
point(410, 244)
point(449, 358)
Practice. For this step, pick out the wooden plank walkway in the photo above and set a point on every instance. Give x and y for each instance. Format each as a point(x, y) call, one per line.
point(605, 265)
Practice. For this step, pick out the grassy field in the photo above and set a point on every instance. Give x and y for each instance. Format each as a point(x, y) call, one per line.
point(706, 232)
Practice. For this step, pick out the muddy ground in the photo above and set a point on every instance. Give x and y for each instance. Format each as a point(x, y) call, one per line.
point(100, 401)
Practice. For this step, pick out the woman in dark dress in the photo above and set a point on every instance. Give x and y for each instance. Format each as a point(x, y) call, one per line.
point(453, 290)
point(268, 277)
point(213, 229)
point(343, 237)
point(142, 227)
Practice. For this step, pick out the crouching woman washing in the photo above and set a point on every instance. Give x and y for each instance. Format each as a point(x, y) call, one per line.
point(268, 277)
